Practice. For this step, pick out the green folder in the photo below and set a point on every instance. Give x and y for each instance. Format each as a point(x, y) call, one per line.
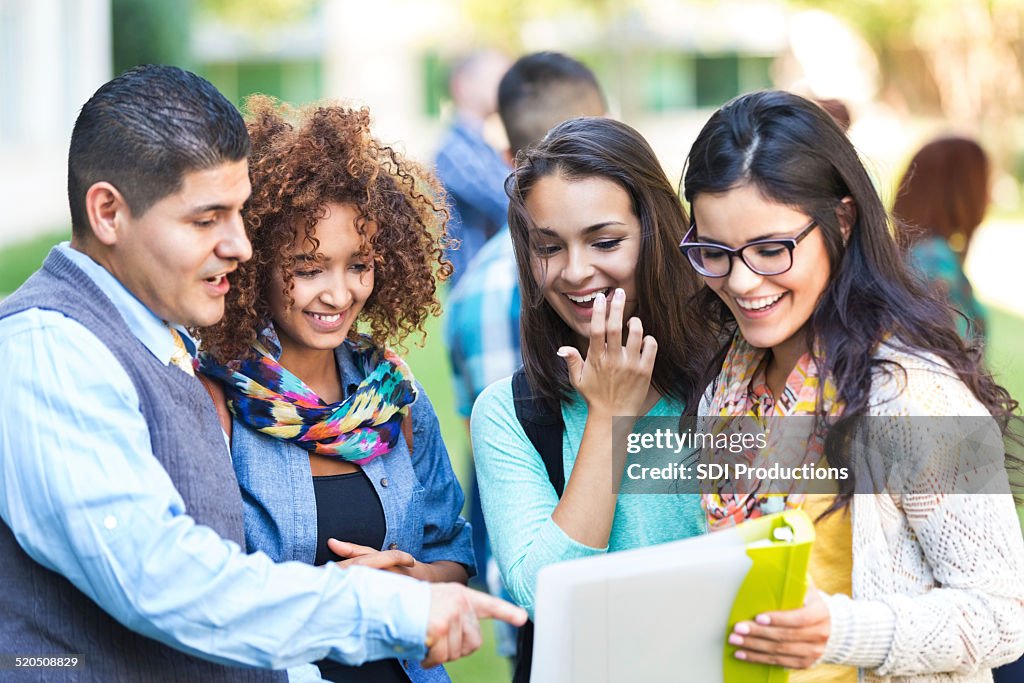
point(780, 547)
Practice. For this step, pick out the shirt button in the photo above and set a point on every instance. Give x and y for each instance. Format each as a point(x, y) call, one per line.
point(384, 482)
point(393, 546)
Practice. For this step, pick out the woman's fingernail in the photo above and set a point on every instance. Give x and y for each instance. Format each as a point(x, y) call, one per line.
point(620, 293)
point(735, 639)
point(742, 627)
point(562, 353)
point(763, 619)
point(740, 654)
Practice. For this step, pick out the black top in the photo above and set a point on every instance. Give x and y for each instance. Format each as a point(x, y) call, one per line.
point(348, 509)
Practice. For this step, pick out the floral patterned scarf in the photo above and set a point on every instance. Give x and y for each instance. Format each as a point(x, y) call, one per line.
point(270, 399)
point(741, 390)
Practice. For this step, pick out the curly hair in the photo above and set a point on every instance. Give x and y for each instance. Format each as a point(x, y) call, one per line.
point(303, 160)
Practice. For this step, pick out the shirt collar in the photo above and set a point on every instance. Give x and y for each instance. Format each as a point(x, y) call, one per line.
point(143, 323)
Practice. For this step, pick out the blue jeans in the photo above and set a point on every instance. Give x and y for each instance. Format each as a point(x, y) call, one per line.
point(1009, 673)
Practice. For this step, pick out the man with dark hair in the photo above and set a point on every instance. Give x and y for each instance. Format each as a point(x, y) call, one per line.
point(537, 93)
point(143, 132)
point(122, 518)
point(473, 172)
point(540, 91)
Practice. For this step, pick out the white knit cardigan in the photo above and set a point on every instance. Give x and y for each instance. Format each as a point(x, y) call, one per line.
point(938, 578)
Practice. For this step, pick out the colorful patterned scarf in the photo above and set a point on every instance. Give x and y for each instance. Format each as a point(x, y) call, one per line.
point(741, 390)
point(270, 399)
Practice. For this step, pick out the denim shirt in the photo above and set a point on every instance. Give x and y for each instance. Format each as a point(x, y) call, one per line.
point(420, 495)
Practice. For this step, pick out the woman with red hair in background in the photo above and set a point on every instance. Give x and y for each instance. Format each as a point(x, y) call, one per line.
point(941, 201)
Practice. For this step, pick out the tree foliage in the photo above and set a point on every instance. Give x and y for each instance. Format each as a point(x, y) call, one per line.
point(501, 22)
point(149, 32)
point(961, 58)
point(257, 13)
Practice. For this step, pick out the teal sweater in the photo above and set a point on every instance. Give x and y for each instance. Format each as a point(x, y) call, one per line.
point(518, 498)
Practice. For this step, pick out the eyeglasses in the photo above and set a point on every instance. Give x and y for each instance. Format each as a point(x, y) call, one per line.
point(764, 257)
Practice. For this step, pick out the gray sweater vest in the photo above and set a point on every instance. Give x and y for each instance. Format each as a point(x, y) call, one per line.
point(41, 612)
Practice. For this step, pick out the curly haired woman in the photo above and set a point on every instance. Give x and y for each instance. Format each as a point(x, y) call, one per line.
point(337, 448)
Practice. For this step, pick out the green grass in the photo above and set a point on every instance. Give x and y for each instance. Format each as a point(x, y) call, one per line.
point(483, 666)
point(1005, 352)
point(21, 259)
point(430, 365)
point(1005, 356)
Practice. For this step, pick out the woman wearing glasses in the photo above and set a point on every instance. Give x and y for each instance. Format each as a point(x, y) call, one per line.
point(595, 224)
point(806, 283)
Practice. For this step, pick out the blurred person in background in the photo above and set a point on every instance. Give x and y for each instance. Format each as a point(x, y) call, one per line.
point(942, 199)
point(838, 110)
point(472, 171)
point(481, 328)
point(337, 448)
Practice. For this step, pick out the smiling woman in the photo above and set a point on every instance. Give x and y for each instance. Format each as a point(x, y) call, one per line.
point(329, 288)
point(585, 253)
point(336, 447)
point(920, 583)
point(595, 224)
point(771, 288)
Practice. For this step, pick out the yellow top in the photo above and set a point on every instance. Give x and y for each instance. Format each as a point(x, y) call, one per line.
point(831, 569)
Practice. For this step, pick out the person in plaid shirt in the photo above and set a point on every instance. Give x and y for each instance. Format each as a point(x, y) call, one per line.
point(481, 327)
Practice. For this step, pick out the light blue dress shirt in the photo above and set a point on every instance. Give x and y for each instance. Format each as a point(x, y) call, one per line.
point(86, 497)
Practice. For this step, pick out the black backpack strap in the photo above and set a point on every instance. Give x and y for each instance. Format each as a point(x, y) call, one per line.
point(523, 661)
point(544, 429)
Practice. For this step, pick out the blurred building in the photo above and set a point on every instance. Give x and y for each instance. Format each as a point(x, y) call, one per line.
point(377, 54)
point(53, 56)
point(664, 63)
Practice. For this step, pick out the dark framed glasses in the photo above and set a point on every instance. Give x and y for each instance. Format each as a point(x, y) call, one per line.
point(764, 257)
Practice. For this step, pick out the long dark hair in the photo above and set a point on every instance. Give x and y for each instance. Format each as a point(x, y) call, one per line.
point(589, 147)
point(795, 154)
